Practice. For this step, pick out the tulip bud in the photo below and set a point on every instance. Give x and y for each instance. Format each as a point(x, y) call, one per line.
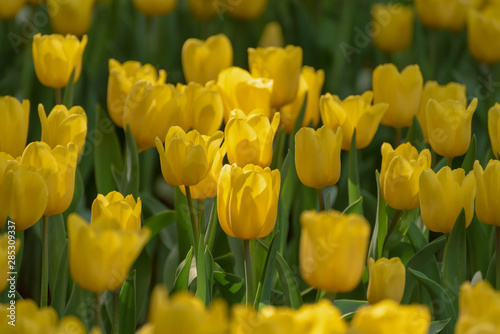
point(283, 66)
point(63, 126)
point(204, 9)
point(14, 121)
point(247, 10)
point(443, 195)
point(101, 253)
point(10, 8)
point(399, 175)
point(493, 129)
point(387, 280)
point(487, 190)
point(8, 248)
point(333, 249)
point(272, 35)
point(392, 27)
point(155, 7)
point(355, 112)
point(389, 317)
point(317, 156)
point(443, 14)
point(483, 33)
point(440, 93)
point(449, 126)
point(55, 57)
point(124, 209)
point(203, 60)
point(239, 90)
point(401, 91)
point(244, 190)
point(70, 16)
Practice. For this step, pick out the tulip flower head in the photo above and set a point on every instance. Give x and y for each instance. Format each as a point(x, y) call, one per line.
point(483, 33)
point(393, 27)
point(124, 209)
point(10, 8)
point(387, 280)
point(247, 10)
point(8, 246)
point(155, 7)
point(14, 122)
point(487, 190)
point(272, 35)
point(443, 14)
point(70, 16)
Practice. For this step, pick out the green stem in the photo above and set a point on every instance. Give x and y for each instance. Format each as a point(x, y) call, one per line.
point(497, 233)
point(248, 273)
point(45, 263)
point(192, 216)
point(394, 222)
point(398, 136)
point(58, 96)
point(116, 312)
point(97, 307)
point(321, 198)
point(320, 293)
point(449, 162)
point(201, 226)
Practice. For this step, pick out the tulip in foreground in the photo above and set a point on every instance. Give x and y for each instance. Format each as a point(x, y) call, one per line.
point(494, 129)
point(487, 190)
point(14, 121)
point(386, 280)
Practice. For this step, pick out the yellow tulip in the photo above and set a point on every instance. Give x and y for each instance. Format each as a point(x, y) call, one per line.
point(272, 35)
point(10, 8)
point(283, 66)
point(389, 317)
point(183, 313)
point(399, 175)
point(9, 246)
point(317, 156)
point(440, 93)
point(203, 60)
point(449, 126)
point(479, 309)
point(333, 249)
point(355, 112)
point(443, 14)
point(240, 91)
point(270, 319)
point(23, 194)
point(322, 317)
point(387, 280)
point(207, 188)
point(250, 139)
point(55, 57)
point(31, 319)
point(244, 190)
point(401, 91)
point(247, 10)
point(121, 79)
point(203, 110)
point(493, 129)
point(311, 82)
point(392, 27)
point(70, 16)
point(151, 110)
point(443, 195)
point(184, 159)
point(487, 190)
point(57, 167)
point(203, 9)
point(14, 122)
point(124, 209)
point(101, 253)
point(155, 7)
point(63, 126)
point(483, 32)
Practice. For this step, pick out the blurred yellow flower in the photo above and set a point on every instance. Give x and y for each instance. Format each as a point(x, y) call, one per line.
point(247, 200)
point(124, 209)
point(493, 129)
point(386, 280)
point(322, 317)
point(449, 126)
point(9, 246)
point(487, 190)
point(204, 9)
point(10, 8)
point(317, 156)
point(483, 33)
point(55, 57)
point(14, 122)
point(355, 112)
point(272, 35)
point(392, 27)
point(401, 91)
point(155, 7)
point(400, 173)
point(333, 249)
point(443, 14)
point(270, 320)
point(70, 16)
point(247, 10)
point(443, 195)
point(283, 66)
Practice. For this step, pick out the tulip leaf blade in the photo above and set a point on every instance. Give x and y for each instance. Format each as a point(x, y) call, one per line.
point(404, 222)
point(470, 156)
point(57, 233)
point(69, 91)
point(182, 278)
point(159, 221)
point(59, 295)
point(415, 135)
point(184, 235)
point(80, 299)
point(380, 229)
point(437, 326)
point(354, 207)
point(353, 186)
point(348, 306)
point(263, 295)
point(231, 287)
point(478, 250)
point(128, 309)
point(130, 181)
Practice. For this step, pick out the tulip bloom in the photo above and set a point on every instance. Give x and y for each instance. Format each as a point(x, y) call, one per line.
point(401, 91)
point(269, 319)
point(483, 33)
point(389, 317)
point(322, 317)
point(151, 110)
point(494, 128)
point(8, 249)
point(443, 195)
point(449, 126)
point(283, 66)
point(272, 35)
point(400, 173)
point(487, 190)
point(124, 209)
point(387, 280)
point(155, 7)
point(121, 79)
point(184, 158)
point(240, 91)
point(247, 200)
point(333, 249)
point(101, 253)
point(443, 14)
point(63, 126)
point(10, 8)
point(14, 121)
point(55, 57)
point(203, 9)
point(71, 16)
point(203, 60)
point(355, 112)
point(317, 156)
point(247, 10)
point(440, 93)
point(23, 194)
point(392, 26)
point(311, 83)
point(250, 139)
point(57, 167)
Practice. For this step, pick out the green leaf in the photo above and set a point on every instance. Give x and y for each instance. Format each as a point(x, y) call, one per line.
point(128, 309)
point(415, 135)
point(78, 193)
point(81, 305)
point(184, 234)
point(143, 268)
point(69, 92)
point(279, 149)
point(127, 179)
point(209, 274)
point(231, 287)
point(212, 226)
point(380, 229)
point(353, 186)
point(285, 168)
point(349, 307)
point(416, 237)
point(59, 295)
point(477, 249)
point(470, 156)
point(182, 279)
point(405, 220)
point(355, 207)
point(57, 237)
point(263, 295)
point(201, 275)
point(437, 326)
point(159, 221)
point(151, 205)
